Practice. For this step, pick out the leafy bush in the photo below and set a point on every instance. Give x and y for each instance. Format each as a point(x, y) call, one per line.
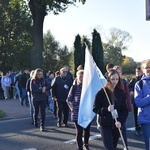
point(2, 113)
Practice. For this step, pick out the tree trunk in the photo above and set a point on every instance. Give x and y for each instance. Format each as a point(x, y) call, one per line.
point(38, 11)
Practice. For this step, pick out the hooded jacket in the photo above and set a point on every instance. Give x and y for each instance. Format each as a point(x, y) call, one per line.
point(142, 100)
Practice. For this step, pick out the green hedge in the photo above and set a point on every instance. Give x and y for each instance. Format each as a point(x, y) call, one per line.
point(2, 113)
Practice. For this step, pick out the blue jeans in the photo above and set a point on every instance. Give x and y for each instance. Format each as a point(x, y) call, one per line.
point(17, 92)
point(31, 107)
point(146, 134)
point(51, 103)
point(24, 95)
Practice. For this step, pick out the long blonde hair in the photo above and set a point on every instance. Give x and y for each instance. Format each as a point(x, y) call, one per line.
point(36, 71)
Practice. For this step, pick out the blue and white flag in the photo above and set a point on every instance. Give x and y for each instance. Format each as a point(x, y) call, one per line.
point(93, 81)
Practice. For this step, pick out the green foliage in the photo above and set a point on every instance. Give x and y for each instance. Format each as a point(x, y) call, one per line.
point(39, 10)
point(97, 50)
point(59, 5)
point(112, 54)
point(54, 56)
point(78, 52)
point(119, 38)
point(15, 35)
point(2, 113)
point(129, 65)
point(117, 43)
point(85, 42)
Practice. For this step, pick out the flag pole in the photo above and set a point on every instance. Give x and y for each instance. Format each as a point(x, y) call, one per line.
point(108, 100)
point(115, 118)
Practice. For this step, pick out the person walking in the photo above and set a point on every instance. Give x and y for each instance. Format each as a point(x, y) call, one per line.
point(142, 101)
point(108, 126)
point(51, 76)
point(6, 83)
point(138, 76)
point(1, 90)
point(17, 85)
point(38, 89)
point(28, 88)
point(60, 89)
point(73, 102)
point(128, 100)
point(24, 77)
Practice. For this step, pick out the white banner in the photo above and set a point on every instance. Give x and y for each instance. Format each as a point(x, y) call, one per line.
point(93, 81)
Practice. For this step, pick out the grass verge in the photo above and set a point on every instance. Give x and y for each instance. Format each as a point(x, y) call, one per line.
point(2, 113)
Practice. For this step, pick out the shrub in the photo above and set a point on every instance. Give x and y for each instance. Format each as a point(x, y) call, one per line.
point(2, 113)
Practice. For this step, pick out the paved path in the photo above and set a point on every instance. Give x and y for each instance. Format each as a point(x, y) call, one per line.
point(17, 133)
point(13, 109)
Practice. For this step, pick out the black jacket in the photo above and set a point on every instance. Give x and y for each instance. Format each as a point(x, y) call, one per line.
point(24, 78)
point(60, 88)
point(36, 89)
point(101, 107)
point(133, 82)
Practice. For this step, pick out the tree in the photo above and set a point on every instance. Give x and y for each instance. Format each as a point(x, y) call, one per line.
point(54, 56)
point(85, 42)
point(115, 45)
point(97, 50)
point(15, 35)
point(39, 9)
point(112, 54)
point(78, 52)
point(119, 38)
point(129, 65)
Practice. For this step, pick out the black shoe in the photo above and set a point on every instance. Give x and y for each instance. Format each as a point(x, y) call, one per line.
point(36, 124)
point(58, 124)
point(27, 104)
point(22, 103)
point(138, 133)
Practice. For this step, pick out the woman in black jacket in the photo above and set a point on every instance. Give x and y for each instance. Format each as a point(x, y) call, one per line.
point(39, 87)
point(108, 126)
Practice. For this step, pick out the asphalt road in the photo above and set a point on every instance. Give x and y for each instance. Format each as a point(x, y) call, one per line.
point(19, 134)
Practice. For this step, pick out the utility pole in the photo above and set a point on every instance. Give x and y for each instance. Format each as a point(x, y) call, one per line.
point(147, 10)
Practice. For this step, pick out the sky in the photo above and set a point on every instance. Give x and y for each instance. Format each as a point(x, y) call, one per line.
point(127, 15)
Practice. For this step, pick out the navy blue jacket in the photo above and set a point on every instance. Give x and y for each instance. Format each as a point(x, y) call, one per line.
point(36, 89)
point(60, 88)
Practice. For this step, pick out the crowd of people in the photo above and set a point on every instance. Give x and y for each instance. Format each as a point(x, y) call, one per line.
point(61, 92)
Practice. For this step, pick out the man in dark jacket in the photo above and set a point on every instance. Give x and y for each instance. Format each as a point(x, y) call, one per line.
point(138, 74)
point(24, 77)
point(60, 89)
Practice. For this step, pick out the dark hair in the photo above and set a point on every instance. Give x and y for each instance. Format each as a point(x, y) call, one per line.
point(138, 68)
point(109, 66)
point(108, 84)
point(51, 73)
